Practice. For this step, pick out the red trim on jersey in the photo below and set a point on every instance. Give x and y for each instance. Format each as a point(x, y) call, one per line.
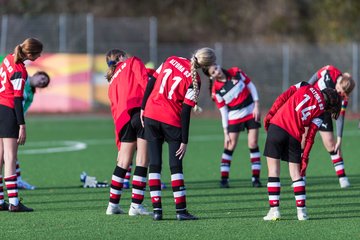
point(240, 120)
point(126, 91)
point(14, 82)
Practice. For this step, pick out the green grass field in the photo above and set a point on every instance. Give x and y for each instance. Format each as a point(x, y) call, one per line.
point(64, 210)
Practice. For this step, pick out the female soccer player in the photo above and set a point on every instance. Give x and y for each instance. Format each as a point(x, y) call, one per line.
point(331, 77)
point(237, 99)
point(170, 94)
point(12, 124)
point(127, 79)
point(39, 80)
point(285, 124)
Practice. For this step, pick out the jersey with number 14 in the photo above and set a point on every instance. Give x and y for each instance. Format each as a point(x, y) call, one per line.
point(172, 88)
point(304, 107)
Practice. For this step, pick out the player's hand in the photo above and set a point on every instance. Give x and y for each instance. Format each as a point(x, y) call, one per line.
point(181, 151)
point(256, 113)
point(227, 139)
point(337, 147)
point(267, 121)
point(142, 117)
point(22, 135)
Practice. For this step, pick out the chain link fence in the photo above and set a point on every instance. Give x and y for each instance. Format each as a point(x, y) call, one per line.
point(272, 67)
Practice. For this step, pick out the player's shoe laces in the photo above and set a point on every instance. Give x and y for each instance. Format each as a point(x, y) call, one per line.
point(302, 214)
point(4, 206)
point(138, 209)
point(224, 183)
point(344, 182)
point(19, 208)
point(185, 216)
point(273, 214)
point(256, 182)
point(114, 210)
point(21, 184)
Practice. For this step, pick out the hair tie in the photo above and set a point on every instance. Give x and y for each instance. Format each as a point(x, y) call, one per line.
point(111, 63)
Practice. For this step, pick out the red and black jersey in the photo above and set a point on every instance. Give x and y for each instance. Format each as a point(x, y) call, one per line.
point(12, 80)
point(126, 90)
point(234, 94)
point(172, 88)
point(303, 108)
point(326, 77)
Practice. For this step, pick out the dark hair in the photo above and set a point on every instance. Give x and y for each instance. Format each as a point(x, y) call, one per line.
point(332, 102)
point(41, 73)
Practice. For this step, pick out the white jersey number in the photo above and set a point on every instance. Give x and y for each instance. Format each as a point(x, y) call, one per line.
point(2, 80)
point(176, 80)
point(306, 111)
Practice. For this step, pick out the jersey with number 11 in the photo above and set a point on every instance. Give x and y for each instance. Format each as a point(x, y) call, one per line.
point(172, 88)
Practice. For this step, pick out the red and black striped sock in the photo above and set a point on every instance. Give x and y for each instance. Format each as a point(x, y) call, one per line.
point(299, 192)
point(12, 189)
point(274, 188)
point(178, 187)
point(255, 162)
point(155, 187)
point(116, 186)
point(226, 158)
point(138, 185)
point(1, 190)
point(338, 163)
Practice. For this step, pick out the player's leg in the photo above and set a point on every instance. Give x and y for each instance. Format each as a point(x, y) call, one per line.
point(336, 158)
point(3, 205)
point(10, 178)
point(255, 160)
point(298, 185)
point(22, 184)
point(124, 158)
point(226, 158)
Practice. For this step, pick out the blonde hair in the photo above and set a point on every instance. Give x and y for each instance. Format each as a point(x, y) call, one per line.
point(112, 58)
point(347, 83)
point(30, 46)
point(202, 58)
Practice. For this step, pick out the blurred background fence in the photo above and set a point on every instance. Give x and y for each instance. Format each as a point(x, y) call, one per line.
point(75, 46)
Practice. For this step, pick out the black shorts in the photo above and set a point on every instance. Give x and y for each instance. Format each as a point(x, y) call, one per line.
point(156, 130)
point(133, 129)
point(8, 123)
point(281, 145)
point(327, 124)
point(240, 127)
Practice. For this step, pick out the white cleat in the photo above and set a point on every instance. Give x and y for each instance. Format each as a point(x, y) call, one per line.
point(138, 209)
point(344, 182)
point(21, 184)
point(114, 210)
point(302, 214)
point(273, 214)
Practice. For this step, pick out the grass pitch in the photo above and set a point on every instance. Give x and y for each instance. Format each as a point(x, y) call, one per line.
point(65, 210)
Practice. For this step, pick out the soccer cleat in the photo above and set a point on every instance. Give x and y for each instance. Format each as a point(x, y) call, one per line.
point(224, 183)
point(344, 182)
point(185, 216)
point(302, 214)
point(24, 185)
point(157, 216)
point(19, 208)
point(4, 206)
point(83, 176)
point(111, 210)
point(273, 214)
point(256, 182)
point(138, 209)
